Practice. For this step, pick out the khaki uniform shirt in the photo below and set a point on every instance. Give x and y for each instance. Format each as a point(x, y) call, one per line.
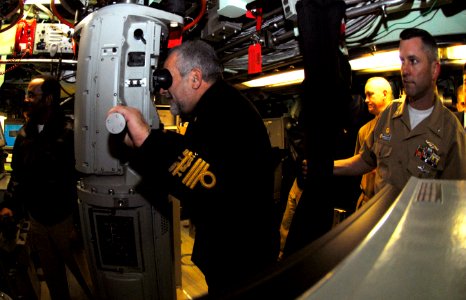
point(368, 179)
point(435, 148)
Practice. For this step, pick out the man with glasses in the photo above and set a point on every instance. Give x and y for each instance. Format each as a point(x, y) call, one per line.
point(43, 182)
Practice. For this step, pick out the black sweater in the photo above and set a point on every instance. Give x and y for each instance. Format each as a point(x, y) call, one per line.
point(43, 178)
point(236, 219)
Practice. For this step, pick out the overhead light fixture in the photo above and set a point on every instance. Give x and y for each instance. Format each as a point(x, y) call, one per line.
point(454, 54)
point(377, 62)
point(284, 78)
point(390, 60)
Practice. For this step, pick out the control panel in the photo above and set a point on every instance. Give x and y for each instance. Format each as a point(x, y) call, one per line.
point(53, 39)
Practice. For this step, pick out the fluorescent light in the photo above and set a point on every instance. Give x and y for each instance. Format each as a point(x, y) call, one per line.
point(40, 2)
point(376, 62)
point(455, 52)
point(390, 60)
point(284, 78)
point(381, 61)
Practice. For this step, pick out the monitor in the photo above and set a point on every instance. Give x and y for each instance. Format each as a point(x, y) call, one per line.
point(11, 131)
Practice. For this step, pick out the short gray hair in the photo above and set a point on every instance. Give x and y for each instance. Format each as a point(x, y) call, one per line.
point(198, 54)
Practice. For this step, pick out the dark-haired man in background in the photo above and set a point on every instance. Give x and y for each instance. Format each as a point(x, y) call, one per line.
point(43, 184)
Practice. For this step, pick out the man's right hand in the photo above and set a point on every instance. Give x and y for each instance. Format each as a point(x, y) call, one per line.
point(138, 129)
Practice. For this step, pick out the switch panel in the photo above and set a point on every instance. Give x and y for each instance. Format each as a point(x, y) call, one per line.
point(52, 39)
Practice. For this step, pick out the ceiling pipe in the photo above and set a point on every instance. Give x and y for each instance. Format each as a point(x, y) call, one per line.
point(355, 12)
point(57, 14)
point(282, 38)
point(370, 8)
point(246, 38)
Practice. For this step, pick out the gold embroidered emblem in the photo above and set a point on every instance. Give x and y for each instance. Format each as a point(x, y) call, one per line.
point(195, 173)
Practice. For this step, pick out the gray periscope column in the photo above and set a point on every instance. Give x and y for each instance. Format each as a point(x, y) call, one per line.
point(129, 243)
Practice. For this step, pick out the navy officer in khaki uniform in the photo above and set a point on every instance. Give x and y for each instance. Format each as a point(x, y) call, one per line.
point(417, 136)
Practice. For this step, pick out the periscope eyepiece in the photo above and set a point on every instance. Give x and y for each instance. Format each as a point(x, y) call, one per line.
point(162, 79)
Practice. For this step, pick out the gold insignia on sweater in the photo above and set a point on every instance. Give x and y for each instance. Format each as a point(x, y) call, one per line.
point(193, 173)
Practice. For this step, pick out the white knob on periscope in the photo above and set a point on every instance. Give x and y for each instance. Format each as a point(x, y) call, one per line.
point(115, 123)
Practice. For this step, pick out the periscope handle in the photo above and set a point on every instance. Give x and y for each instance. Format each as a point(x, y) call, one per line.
point(115, 123)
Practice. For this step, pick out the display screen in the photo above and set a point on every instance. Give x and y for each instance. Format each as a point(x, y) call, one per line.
point(11, 131)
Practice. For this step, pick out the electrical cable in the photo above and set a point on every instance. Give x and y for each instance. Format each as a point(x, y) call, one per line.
point(199, 16)
point(68, 99)
point(358, 31)
point(409, 22)
point(15, 62)
point(20, 15)
point(355, 25)
point(57, 14)
point(362, 27)
point(47, 11)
